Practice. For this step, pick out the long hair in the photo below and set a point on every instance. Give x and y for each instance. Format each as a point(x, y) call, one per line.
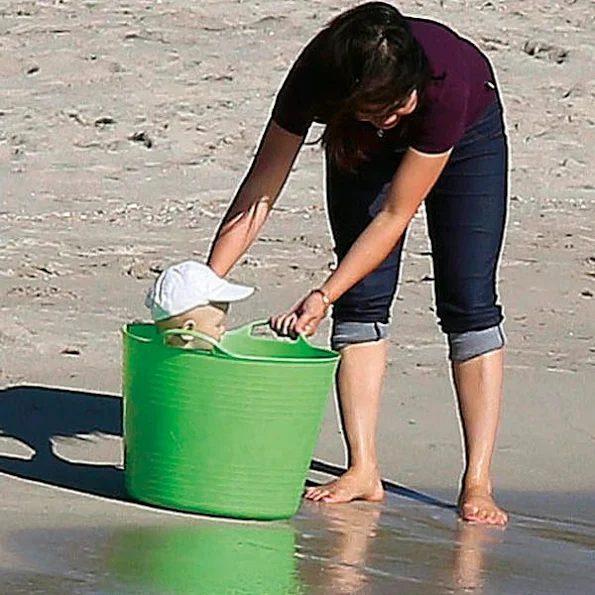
point(373, 63)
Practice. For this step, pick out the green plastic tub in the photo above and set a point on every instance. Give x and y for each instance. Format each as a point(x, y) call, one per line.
point(229, 432)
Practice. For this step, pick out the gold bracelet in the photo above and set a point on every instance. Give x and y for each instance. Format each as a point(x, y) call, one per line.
point(326, 300)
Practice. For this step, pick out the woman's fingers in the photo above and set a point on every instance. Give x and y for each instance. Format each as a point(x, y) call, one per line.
point(284, 324)
point(289, 324)
point(277, 323)
point(274, 322)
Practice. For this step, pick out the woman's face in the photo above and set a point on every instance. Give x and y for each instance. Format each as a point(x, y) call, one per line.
point(386, 122)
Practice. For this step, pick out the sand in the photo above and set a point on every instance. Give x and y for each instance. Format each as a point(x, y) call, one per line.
point(125, 129)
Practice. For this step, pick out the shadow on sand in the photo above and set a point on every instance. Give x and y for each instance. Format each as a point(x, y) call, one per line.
point(34, 415)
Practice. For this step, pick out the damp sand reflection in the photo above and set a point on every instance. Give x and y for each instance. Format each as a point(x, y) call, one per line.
point(361, 548)
point(371, 549)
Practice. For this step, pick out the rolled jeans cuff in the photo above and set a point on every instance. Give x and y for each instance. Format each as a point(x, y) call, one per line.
point(347, 333)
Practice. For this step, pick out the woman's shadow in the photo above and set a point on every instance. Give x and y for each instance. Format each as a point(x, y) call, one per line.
point(36, 415)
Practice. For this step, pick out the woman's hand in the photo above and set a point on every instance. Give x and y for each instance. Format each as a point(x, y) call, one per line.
point(303, 318)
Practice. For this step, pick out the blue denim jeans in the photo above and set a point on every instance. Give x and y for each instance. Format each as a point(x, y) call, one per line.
point(466, 217)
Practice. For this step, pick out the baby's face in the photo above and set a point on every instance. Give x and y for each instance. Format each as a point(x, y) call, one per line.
point(208, 320)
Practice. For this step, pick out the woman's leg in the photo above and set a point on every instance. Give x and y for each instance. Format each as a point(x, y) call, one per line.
point(359, 333)
point(466, 220)
point(359, 387)
point(478, 383)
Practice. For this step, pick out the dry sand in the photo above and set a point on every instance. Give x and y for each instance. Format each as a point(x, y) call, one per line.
point(124, 130)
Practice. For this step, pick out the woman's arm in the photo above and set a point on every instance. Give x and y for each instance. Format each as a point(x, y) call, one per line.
point(255, 198)
point(413, 180)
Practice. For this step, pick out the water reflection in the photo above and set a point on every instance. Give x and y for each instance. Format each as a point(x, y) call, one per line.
point(210, 558)
point(368, 548)
point(339, 548)
point(356, 549)
point(471, 545)
point(336, 555)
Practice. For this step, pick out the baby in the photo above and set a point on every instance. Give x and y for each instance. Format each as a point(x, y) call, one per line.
point(191, 296)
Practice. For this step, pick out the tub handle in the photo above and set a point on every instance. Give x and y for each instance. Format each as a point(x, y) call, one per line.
point(248, 330)
point(242, 330)
point(198, 335)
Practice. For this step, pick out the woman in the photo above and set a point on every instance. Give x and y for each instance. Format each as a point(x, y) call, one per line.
point(412, 114)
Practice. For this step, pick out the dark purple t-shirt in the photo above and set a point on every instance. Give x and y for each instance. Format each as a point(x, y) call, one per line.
point(463, 86)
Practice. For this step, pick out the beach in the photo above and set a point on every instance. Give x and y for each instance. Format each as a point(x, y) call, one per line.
point(125, 129)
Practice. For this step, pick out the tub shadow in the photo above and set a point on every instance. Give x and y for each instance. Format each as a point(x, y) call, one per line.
point(34, 415)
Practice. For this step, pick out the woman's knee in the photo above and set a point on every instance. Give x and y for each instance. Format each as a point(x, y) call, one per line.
point(466, 310)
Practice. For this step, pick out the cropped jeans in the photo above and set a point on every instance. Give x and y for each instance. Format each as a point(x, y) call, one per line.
point(466, 216)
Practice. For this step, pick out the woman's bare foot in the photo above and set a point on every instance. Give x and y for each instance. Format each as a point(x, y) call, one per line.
point(476, 505)
point(352, 485)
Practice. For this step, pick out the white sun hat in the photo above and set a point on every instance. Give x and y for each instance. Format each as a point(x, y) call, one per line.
point(188, 285)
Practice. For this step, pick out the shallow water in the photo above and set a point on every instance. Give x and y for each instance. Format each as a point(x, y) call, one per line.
point(395, 547)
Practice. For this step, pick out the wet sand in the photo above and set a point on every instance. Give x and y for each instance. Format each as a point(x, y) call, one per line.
point(69, 527)
point(124, 130)
point(398, 546)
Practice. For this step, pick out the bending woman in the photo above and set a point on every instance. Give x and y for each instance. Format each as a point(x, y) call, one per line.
point(411, 114)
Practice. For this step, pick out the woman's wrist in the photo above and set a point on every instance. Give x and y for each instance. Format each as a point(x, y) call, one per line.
point(326, 300)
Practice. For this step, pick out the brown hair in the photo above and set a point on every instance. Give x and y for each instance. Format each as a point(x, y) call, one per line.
point(373, 63)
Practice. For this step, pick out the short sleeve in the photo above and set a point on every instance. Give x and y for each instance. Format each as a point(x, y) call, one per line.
point(294, 107)
point(442, 123)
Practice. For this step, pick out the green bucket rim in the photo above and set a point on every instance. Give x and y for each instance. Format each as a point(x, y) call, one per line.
point(222, 352)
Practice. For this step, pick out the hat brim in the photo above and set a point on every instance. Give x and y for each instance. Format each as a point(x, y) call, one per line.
point(230, 292)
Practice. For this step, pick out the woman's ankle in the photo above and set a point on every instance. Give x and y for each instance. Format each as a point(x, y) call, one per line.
point(365, 467)
point(476, 483)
